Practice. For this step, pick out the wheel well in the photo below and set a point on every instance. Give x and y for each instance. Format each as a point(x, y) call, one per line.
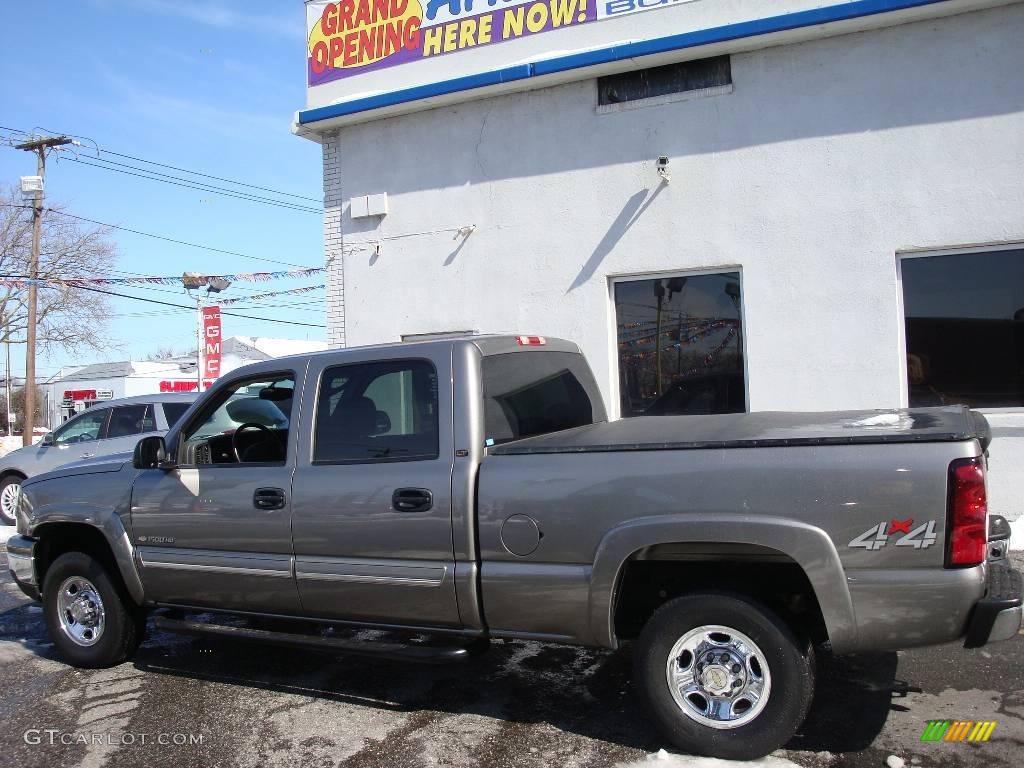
point(11, 472)
point(654, 575)
point(55, 539)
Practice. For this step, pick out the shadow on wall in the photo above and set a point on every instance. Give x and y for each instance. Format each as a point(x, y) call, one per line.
point(627, 217)
point(914, 74)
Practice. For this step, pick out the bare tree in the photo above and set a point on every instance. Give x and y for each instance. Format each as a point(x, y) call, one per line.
point(68, 317)
point(165, 353)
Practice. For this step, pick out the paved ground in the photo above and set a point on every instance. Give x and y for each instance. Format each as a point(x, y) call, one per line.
point(523, 704)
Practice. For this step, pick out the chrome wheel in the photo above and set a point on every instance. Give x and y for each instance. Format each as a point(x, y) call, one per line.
point(718, 677)
point(9, 500)
point(80, 611)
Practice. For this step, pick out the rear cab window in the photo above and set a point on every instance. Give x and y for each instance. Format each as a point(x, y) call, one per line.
point(537, 392)
point(174, 411)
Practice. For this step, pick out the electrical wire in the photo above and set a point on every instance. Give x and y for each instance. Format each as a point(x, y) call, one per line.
point(171, 167)
point(162, 237)
point(202, 188)
point(177, 306)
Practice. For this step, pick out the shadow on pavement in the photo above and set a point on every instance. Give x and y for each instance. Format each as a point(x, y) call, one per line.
point(854, 695)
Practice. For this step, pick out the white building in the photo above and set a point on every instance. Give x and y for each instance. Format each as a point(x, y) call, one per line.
point(75, 388)
point(841, 183)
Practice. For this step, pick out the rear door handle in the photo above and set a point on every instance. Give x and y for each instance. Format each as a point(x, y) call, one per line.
point(268, 498)
point(412, 500)
point(88, 455)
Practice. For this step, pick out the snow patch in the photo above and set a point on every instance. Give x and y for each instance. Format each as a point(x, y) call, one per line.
point(1017, 534)
point(6, 531)
point(883, 421)
point(663, 759)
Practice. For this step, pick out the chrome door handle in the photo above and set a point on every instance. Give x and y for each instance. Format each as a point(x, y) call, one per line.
point(88, 455)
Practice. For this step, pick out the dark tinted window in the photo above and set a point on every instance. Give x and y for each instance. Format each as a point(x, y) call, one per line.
point(965, 328)
point(532, 393)
point(384, 411)
point(129, 420)
point(659, 81)
point(680, 345)
point(174, 411)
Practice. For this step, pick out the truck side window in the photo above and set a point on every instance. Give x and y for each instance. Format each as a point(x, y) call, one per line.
point(383, 411)
point(247, 423)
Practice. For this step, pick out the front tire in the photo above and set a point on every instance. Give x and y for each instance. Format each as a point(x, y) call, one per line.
point(90, 619)
point(9, 488)
point(723, 676)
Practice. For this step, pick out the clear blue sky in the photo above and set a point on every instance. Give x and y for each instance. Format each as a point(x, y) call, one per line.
point(208, 85)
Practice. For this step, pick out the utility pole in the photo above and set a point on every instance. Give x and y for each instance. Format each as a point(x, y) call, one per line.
point(39, 146)
point(7, 389)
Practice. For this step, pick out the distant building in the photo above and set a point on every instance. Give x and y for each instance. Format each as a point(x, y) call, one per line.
point(75, 388)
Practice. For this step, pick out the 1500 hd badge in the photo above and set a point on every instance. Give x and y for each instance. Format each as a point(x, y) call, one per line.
point(877, 536)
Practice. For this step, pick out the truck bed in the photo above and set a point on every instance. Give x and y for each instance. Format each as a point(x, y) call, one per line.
point(764, 429)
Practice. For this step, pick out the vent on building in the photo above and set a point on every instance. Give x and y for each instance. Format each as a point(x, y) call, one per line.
point(650, 83)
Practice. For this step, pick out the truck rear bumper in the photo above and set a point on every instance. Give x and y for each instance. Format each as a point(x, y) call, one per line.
point(997, 616)
point(22, 563)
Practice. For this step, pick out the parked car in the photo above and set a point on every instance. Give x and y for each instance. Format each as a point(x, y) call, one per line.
point(472, 489)
point(113, 426)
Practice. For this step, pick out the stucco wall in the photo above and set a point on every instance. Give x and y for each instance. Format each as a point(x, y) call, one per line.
point(826, 160)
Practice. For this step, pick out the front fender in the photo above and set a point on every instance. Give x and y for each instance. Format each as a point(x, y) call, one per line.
point(808, 546)
point(101, 501)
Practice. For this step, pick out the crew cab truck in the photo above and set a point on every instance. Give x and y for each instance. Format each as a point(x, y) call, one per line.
point(472, 489)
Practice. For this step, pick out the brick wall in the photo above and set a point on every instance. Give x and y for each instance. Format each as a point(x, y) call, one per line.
point(333, 243)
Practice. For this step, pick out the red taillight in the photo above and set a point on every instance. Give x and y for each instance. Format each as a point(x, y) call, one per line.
point(967, 513)
point(531, 341)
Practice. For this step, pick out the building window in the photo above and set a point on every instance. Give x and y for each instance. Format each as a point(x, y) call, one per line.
point(964, 315)
point(680, 343)
point(661, 81)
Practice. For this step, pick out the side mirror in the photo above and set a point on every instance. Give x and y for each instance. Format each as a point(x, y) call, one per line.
point(47, 439)
point(383, 423)
point(151, 453)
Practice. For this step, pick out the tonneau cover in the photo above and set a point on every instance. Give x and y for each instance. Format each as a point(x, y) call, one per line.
point(764, 429)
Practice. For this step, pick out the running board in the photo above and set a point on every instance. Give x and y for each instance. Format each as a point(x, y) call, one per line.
point(424, 654)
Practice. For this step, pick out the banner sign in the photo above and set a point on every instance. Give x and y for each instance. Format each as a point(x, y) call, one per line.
point(355, 36)
point(212, 337)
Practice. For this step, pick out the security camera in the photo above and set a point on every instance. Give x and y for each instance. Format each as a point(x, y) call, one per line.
point(662, 167)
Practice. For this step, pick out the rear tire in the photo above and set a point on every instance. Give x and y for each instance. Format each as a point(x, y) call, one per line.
point(90, 618)
point(8, 493)
point(743, 681)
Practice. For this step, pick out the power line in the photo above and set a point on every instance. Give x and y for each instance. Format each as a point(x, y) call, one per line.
point(202, 187)
point(177, 168)
point(163, 237)
point(177, 306)
point(209, 176)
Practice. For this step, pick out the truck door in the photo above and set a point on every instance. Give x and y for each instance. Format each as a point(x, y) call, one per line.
point(371, 507)
point(215, 531)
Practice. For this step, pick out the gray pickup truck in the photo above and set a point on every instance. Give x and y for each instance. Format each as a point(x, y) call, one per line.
point(472, 489)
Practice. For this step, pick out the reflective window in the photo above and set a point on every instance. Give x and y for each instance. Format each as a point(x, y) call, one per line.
point(81, 429)
point(129, 420)
point(680, 345)
point(532, 393)
point(964, 317)
point(382, 411)
point(174, 411)
point(245, 423)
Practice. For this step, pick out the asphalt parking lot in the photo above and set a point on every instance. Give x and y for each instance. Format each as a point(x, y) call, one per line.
point(522, 704)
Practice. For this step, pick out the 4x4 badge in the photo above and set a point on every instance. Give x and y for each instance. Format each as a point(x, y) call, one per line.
point(877, 536)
